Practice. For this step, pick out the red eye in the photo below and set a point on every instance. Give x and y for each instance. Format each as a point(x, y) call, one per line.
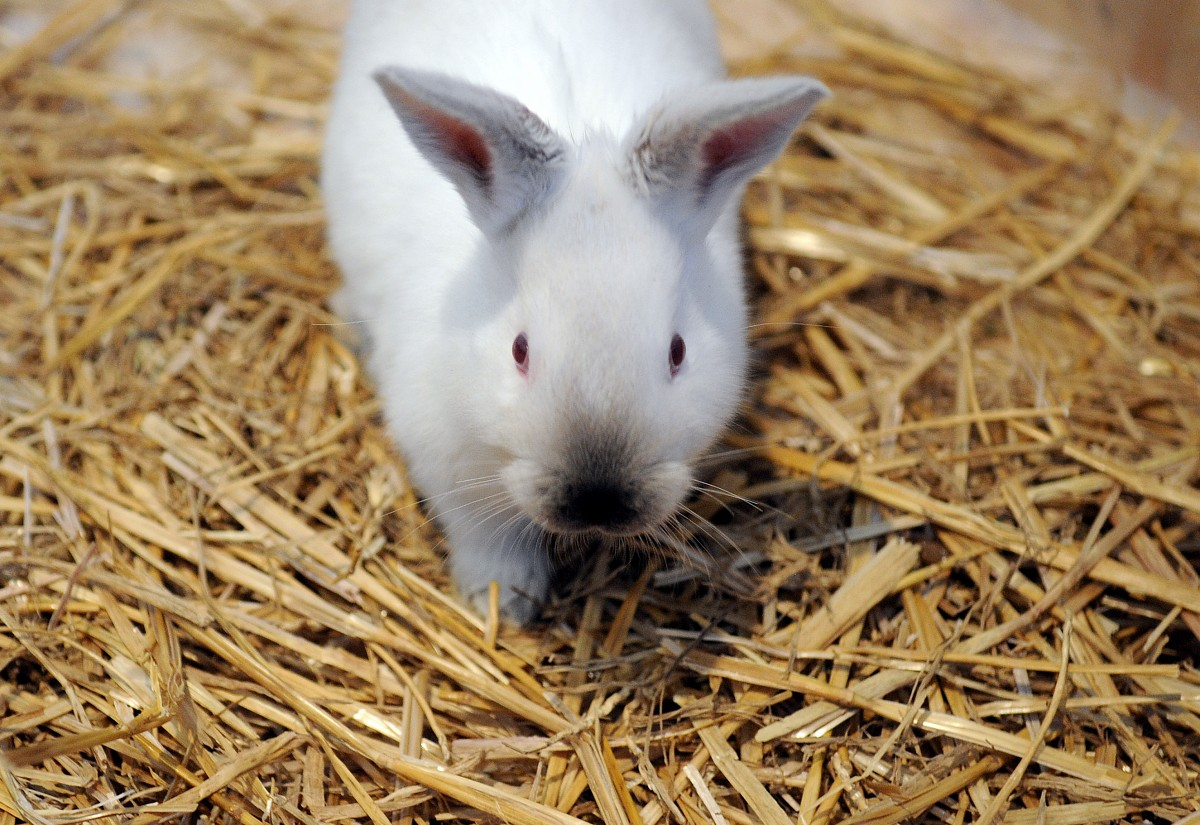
point(678, 350)
point(520, 353)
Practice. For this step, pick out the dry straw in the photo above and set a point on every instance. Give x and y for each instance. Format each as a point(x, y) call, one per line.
point(945, 570)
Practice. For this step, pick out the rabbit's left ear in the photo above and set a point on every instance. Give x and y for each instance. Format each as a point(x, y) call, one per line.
point(499, 155)
point(700, 147)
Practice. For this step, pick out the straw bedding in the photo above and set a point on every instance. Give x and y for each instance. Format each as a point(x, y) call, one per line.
point(946, 569)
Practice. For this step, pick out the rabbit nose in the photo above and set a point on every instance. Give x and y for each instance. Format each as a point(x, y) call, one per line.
point(599, 505)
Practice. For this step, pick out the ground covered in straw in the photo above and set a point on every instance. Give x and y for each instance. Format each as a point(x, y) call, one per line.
point(950, 569)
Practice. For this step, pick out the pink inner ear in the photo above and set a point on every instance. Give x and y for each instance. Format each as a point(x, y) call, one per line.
point(461, 143)
point(734, 143)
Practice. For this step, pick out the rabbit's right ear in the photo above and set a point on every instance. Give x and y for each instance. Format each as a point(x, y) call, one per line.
point(499, 155)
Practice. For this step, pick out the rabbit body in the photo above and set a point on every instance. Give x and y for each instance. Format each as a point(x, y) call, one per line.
point(533, 207)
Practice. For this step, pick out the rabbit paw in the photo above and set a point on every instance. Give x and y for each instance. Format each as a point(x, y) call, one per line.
point(515, 558)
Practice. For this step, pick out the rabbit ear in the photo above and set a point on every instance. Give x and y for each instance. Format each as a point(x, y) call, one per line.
point(699, 147)
point(499, 155)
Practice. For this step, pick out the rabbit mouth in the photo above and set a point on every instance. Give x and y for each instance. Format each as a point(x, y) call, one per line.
point(605, 497)
point(603, 508)
point(599, 506)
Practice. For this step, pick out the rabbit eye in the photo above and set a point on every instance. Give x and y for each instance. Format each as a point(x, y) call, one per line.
point(520, 352)
point(678, 350)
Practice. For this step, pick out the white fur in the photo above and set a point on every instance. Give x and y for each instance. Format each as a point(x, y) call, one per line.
point(600, 238)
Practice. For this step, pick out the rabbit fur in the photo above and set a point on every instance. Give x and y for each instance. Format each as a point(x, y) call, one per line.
point(533, 205)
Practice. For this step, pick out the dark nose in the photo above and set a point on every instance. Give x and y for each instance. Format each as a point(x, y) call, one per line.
point(599, 505)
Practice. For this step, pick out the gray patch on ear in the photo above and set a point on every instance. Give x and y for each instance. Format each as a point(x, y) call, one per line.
point(698, 147)
point(656, 166)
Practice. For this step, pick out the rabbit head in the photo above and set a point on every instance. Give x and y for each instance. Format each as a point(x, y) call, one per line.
point(602, 337)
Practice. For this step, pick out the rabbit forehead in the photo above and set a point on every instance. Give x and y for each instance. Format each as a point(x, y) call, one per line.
point(601, 247)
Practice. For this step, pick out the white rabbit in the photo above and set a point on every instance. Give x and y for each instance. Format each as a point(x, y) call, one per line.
point(533, 204)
